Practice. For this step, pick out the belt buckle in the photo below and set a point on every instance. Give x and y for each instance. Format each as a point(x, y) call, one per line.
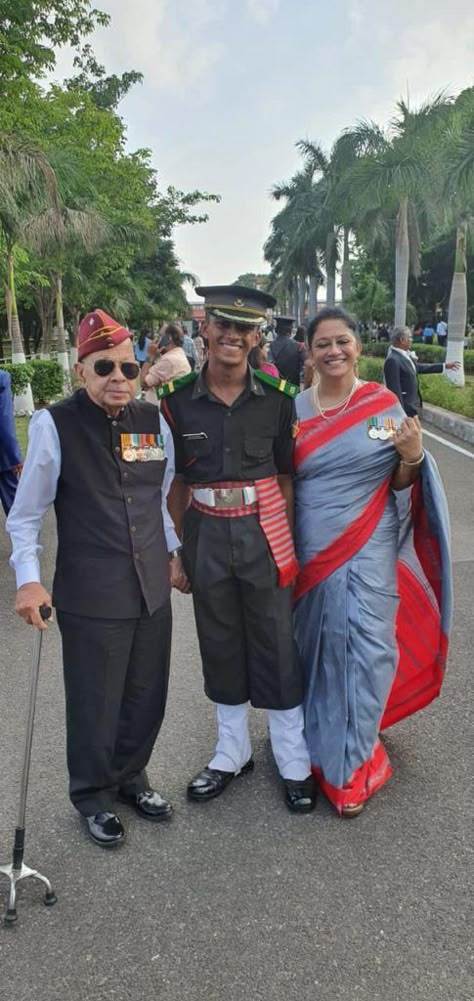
point(228, 496)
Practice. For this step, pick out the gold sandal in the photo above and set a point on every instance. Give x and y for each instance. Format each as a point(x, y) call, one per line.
point(352, 809)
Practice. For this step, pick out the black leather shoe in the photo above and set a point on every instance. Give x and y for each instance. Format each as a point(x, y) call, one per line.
point(211, 782)
point(300, 797)
point(148, 804)
point(105, 829)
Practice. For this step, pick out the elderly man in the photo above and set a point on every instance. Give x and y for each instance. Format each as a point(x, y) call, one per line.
point(10, 452)
point(106, 461)
point(401, 370)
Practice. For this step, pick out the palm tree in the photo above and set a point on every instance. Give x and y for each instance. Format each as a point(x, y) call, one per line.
point(27, 181)
point(323, 222)
point(458, 154)
point(300, 237)
point(59, 236)
point(392, 179)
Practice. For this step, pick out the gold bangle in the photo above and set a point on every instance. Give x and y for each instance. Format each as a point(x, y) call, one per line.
point(416, 462)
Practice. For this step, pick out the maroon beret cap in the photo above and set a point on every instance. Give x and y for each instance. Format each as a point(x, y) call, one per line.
point(98, 332)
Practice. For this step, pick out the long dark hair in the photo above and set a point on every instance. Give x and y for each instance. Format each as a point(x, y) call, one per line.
point(142, 339)
point(175, 334)
point(331, 313)
point(256, 357)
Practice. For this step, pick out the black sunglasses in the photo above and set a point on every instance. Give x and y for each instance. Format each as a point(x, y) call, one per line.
point(105, 366)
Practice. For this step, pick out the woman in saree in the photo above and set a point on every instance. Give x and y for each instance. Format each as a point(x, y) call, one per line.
point(373, 597)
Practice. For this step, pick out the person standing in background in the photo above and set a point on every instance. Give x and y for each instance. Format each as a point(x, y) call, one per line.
point(141, 345)
point(10, 452)
point(401, 371)
point(285, 353)
point(442, 333)
point(171, 364)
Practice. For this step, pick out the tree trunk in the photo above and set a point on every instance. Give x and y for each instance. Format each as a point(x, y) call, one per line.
point(73, 338)
point(63, 357)
point(23, 403)
point(402, 261)
point(457, 312)
point(302, 297)
point(313, 296)
point(346, 283)
point(331, 268)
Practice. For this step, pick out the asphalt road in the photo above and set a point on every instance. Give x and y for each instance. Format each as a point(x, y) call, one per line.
point(238, 899)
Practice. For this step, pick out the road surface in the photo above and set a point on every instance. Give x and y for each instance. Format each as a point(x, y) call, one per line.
point(239, 900)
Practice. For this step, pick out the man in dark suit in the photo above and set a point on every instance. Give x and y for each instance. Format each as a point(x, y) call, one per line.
point(401, 371)
point(285, 352)
point(10, 452)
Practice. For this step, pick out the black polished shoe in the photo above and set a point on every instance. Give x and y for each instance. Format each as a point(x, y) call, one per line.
point(148, 804)
point(211, 782)
point(105, 829)
point(300, 797)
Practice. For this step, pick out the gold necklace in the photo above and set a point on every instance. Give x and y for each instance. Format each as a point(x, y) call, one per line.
point(343, 403)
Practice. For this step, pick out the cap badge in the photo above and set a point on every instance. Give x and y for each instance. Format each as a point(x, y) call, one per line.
point(238, 302)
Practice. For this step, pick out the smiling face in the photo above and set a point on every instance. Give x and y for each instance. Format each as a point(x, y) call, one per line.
point(114, 391)
point(228, 342)
point(334, 350)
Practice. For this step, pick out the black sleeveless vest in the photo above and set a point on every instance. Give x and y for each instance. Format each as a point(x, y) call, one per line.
point(112, 555)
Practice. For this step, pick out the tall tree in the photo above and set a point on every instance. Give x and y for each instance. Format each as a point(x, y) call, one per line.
point(458, 157)
point(393, 180)
point(27, 183)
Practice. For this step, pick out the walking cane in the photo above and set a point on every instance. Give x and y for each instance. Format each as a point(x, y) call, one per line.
point(17, 870)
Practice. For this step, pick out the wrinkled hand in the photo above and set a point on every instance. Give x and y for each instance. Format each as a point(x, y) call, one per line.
point(408, 439)
point(452, 364)
point(29, 598)
point(178, 576)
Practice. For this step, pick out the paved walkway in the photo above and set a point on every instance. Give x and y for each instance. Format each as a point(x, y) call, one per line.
point(240, 900)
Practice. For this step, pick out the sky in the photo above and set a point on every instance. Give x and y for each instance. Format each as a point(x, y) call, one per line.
point(231, 85)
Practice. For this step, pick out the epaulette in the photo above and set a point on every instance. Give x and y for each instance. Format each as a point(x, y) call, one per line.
point(282, 384)
point(167, 388)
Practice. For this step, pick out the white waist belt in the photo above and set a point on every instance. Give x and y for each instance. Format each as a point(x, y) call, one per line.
point(225, 496)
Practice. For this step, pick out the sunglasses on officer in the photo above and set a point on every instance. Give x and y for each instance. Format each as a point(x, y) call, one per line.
point(105, 366)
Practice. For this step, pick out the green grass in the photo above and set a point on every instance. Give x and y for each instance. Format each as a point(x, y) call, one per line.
point(435, 389)
point(22, 432)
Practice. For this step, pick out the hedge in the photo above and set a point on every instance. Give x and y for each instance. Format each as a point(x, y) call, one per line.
point(47, 380)
point(424, 352)
point(435, 389)
point(45, 376)
point(20, 376)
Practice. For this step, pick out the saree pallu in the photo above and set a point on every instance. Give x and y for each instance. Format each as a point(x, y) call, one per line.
point(373, 597)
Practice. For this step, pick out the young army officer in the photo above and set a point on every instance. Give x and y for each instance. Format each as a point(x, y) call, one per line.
point(106, 461)
point(232, 502)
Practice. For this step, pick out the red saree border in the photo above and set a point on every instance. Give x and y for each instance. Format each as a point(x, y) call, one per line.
point(363, 782)
point(316, 431)
point(423, 649)
point(346, 545)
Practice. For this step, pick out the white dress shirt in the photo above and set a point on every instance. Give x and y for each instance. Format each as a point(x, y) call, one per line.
point(37, 491)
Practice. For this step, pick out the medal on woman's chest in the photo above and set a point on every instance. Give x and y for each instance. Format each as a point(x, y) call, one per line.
point(381, 428)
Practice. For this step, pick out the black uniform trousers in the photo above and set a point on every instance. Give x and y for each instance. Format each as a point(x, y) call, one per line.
point(116, 675)
point(244, 619)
